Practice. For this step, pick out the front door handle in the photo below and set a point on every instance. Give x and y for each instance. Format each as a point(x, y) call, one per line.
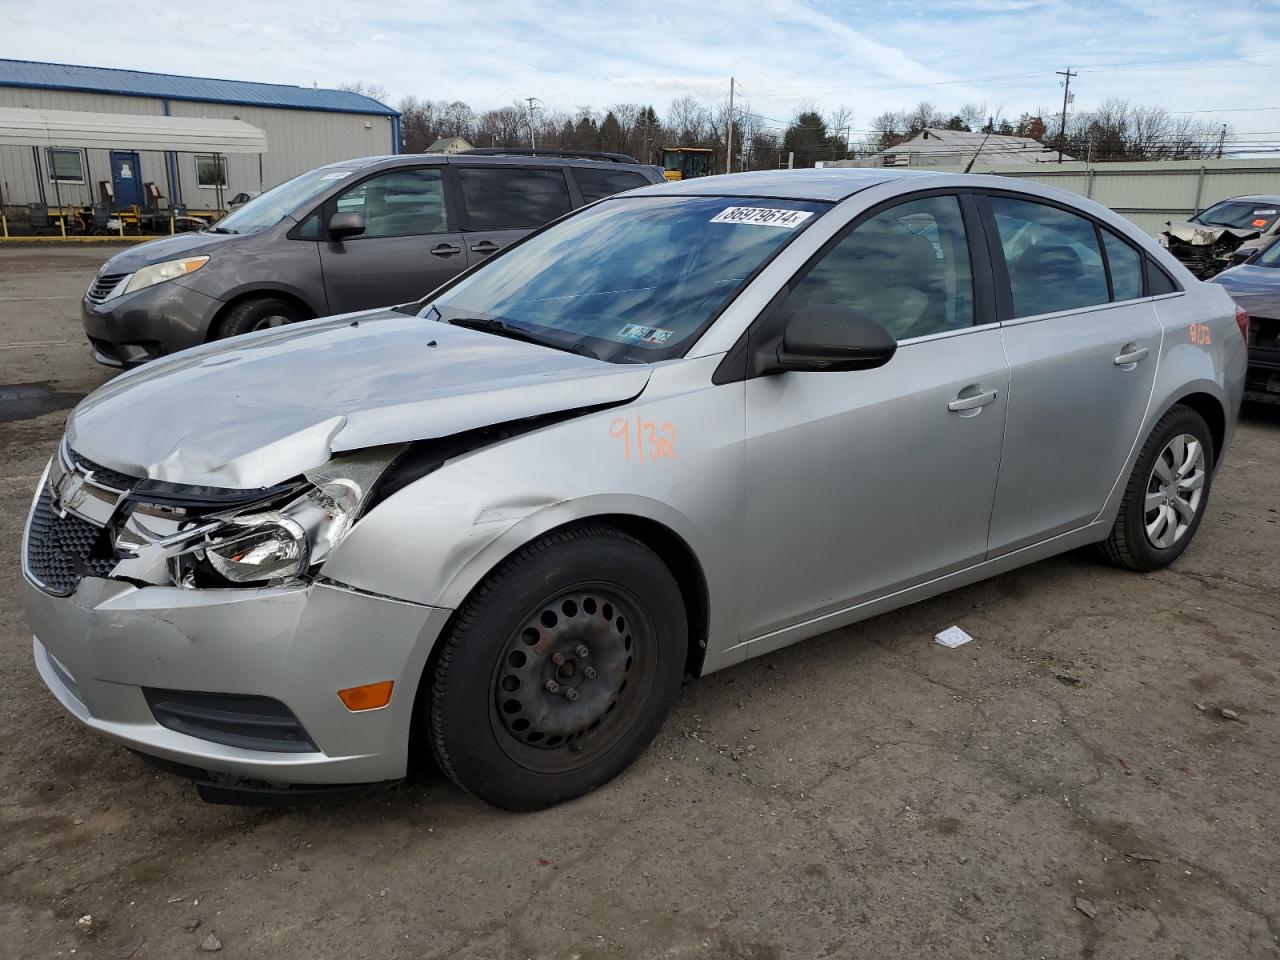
point(485, 246)
point(446, 249)
point(973, 401)
point(1130, 354)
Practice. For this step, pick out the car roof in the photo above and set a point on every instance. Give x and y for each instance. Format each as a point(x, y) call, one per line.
point(486, 159)
point(826, 183)
point(1257, 197)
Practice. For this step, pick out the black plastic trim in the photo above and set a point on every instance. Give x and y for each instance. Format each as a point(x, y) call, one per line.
point(235, 720)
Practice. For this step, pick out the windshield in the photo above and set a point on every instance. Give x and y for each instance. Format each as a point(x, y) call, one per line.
point(630, 280)
point(1240, 214)
point(268, 209)
point(1269, 257)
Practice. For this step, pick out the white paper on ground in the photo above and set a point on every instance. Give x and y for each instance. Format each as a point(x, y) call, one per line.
point(952, 637)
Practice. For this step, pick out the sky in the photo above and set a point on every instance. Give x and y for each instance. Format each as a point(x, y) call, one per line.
point(1220, 58)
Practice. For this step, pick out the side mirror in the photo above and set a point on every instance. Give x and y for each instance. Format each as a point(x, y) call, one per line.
point(348, 224)
point(828, 337)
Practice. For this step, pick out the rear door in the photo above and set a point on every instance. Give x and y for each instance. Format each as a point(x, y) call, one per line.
point(410, 244)
point(501, 203)
point(1083, 341)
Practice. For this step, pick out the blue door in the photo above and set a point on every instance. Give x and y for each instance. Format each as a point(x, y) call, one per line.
point(126, 179)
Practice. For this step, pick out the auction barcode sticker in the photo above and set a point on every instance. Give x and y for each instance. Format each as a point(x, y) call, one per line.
point(763, 216)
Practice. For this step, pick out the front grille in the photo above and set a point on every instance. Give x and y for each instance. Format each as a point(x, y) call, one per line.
point(237, 720)
point(59, 550)
point(102, 286)
point(103, 475)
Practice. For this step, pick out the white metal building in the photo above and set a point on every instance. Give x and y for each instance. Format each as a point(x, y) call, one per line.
point(304, 128)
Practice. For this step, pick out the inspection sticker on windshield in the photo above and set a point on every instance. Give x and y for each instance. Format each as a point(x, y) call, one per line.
point(634, 331)
point(337, 175)
point(763, 216)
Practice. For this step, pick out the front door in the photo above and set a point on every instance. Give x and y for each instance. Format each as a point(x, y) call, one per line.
point(126, 179)
point(862, 483)
point(502, 204)
point(408, 248)
point(1083, 346)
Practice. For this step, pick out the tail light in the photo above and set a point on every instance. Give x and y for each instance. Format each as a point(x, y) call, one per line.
point(1242, 321)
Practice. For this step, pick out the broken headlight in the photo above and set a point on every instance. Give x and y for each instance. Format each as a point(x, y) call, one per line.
point(263, 543)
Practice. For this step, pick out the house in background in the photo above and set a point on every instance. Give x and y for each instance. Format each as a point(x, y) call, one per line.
point(449, 145)
point(936, 147)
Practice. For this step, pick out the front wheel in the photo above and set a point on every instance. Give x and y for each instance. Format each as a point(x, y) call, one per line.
point(261, 313)
point(558, 670)
point(1166, 496)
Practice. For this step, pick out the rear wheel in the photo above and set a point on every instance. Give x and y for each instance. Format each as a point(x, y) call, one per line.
point(1166, 496)
point(559, 669)
point(260, 313)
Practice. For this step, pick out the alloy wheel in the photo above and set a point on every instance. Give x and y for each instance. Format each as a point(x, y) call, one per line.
point(1175, 491)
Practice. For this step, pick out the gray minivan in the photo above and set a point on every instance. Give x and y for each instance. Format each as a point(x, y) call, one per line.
point(348, 236)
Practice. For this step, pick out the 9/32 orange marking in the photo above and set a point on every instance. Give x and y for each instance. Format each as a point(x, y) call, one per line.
point(1200, 334)
point(644, 438)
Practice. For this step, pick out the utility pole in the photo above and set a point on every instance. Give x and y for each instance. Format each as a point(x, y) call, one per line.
point(728, 160)
point(1066, 91)
point(532, 145)
point(1222, 140)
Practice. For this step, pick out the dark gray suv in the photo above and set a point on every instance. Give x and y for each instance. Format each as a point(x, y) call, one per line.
point(350, 236)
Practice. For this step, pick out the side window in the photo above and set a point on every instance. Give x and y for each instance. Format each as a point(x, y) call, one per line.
point(309, 229)
point(400, 203)
point(512, 198)
point(1126, 267)
point(906, 267)
point(596, 184)
point(1053, 257)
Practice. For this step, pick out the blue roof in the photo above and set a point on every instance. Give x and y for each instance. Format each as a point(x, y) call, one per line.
point(137, 83)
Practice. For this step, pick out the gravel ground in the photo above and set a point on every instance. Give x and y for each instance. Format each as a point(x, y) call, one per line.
point(1066, 785)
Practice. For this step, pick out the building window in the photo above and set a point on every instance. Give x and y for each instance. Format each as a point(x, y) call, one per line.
point(211, 171)
point(66, 166)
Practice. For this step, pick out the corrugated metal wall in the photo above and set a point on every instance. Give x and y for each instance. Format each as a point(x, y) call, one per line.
point(297, 141)
point(1152, 193)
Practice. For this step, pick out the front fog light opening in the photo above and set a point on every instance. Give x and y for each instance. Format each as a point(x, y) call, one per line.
point(272, 547)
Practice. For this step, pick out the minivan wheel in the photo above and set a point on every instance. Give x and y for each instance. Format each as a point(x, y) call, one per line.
point(260, 313)
point(1166, 496)
point(558, 670)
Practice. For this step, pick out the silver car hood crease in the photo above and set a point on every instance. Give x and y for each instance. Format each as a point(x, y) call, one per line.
point(272, 404)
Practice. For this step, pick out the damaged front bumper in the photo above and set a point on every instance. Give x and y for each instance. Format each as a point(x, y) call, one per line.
point(117, 655)
point(1204, 249)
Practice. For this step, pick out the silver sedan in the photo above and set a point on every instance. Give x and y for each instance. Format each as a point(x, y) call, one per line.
point(675, 430)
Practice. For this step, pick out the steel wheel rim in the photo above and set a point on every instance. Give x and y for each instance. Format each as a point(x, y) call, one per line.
point(554, 710)
point(270, 323)
point(1175, 491)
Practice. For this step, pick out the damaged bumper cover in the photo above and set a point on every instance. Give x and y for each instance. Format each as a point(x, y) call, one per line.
point(1205, 249)
point(102, 649)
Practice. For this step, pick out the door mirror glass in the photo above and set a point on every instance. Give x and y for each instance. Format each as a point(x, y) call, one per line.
point(346, 224)
point(829, 337)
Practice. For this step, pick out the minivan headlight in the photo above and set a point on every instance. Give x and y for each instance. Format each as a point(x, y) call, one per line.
point(160, 272)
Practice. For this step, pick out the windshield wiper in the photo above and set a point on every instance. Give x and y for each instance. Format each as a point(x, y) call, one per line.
point(222, 230)
point(503, 329)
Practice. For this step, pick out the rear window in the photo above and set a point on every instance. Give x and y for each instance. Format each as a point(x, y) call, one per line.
point(596, 184)
point(512, 198)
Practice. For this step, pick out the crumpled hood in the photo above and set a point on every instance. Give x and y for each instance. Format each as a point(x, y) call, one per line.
point(1205, 234)
point(259, 409)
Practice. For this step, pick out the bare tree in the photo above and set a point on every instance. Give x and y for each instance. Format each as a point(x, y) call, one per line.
point(374, 91)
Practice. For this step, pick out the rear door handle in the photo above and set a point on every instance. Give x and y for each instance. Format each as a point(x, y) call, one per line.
point(485, 246)
point(446, 249)
point(1132, 354)
point(972, 402)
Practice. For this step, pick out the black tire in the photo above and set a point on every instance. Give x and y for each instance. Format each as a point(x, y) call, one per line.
point(563, 589)
point(1129, 545)
point(254, 314)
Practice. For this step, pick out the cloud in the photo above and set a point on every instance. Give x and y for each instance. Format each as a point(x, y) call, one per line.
point(870, 57)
